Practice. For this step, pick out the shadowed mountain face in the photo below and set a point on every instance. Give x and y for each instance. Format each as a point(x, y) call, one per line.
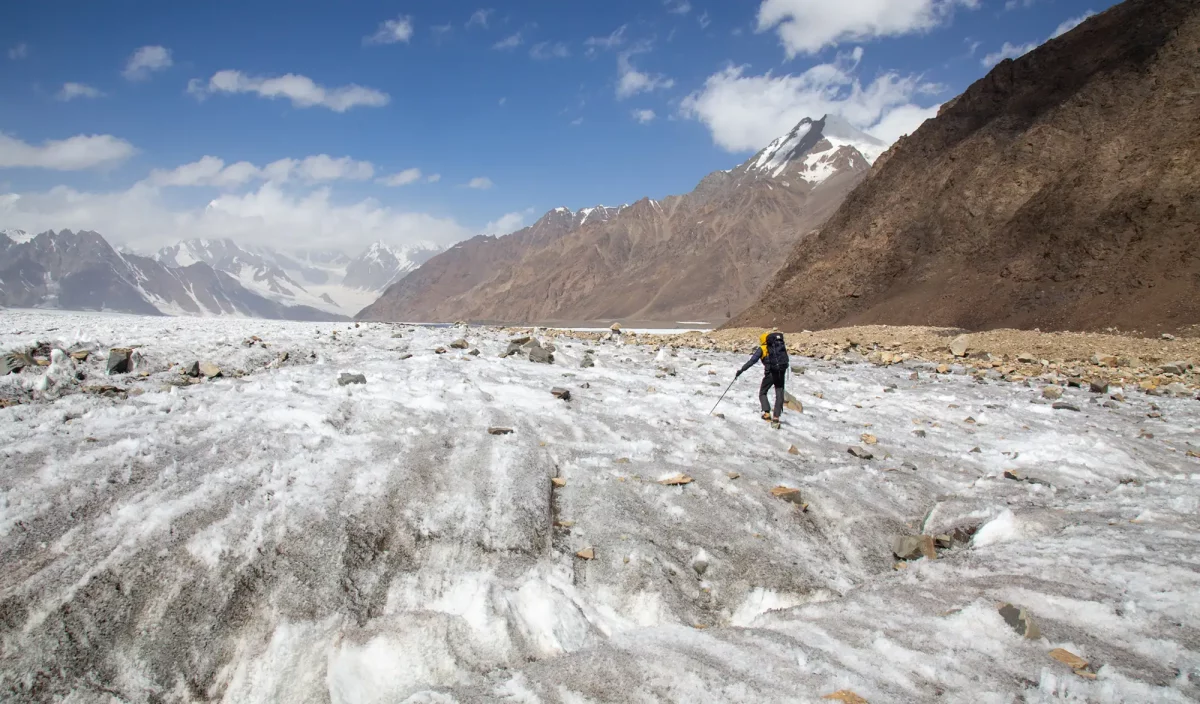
point(699, 256)
point(1059, 191)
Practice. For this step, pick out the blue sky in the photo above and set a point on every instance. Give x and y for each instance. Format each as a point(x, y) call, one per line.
point(337, 124)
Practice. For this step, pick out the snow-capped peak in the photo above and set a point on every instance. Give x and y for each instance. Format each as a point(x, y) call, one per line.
point(815, 150)
point(17, 236)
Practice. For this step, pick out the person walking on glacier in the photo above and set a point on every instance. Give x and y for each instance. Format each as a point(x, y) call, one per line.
point(772, 352)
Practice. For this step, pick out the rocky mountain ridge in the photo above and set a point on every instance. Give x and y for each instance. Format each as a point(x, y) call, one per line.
point(1058, 192)
point(699, 256)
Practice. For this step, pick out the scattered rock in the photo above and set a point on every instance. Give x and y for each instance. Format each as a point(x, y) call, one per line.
point(1020, 620)
point(1105, 360)
point(500, 431)
point(869, 439)
point(788, 494)
point(846, 697)
point(1018, 477)
point(459, 344)
point(1176, 368)
point(561, 393)
point(958, 347)
point(15, 362)
point(565, 524)
point(405, 356)
point(791, 403)
point(793, 450)
point(1069, 659)
point(558, 482)
point(439, 350)
point(345, 379)
point(700, 565)
point(1052, 393)
point(976, 450)
point(943, 369)
point(1098, 387)
point(1119, 398)
point(733, 475)
point(1168, 337)
point(586, 554)
point(474, 352)
point(615, 327)
point(1176, 389)
point(211, 371)
point(1111, 404)
point(1026, 358)
point(1064, 406)
point(677, 480)
point(920, 433)
point(120, 360)
point(911, 547)
point(192, 370)
point(621, 460)
point(797, 369)
point(540, 355)
point(80, 355)
point(588, 362)
point(860, 452)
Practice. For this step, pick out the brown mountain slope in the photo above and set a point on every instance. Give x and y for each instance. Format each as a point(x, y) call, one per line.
point(695, 257)
point(1060, 191)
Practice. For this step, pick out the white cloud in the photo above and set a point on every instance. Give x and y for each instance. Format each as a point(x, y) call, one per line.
point(140, 217)
point(1008, 51)
point(1014, 51)
point(207, 171)
point(644, 116)
point(212, 171)
point(19, 51)
point(1072, 23)
point(503, 101)
point(745, 112)
point(703, 20)
point(433, 178)
point(481, 183)
point(510, 42)
point(507, 223)
point(1014, 4)
point(146, 61)
point(549, 50)
point(301, 90)
point(631, 81)
point(440, 30)
point(392, 31)
point(807, 26)
point(402, 178)
point(72, 154)
point(577, 122)
point(319, 168)
point(612, 41)
point(70, 91)
point(901, 121)
point(678, 7)
point(480, 18)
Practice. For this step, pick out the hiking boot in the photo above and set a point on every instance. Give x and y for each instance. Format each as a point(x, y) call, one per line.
point(766, 416)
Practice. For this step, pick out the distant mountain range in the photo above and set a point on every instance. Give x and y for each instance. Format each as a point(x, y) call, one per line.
point(197, 277)
point(697, 257)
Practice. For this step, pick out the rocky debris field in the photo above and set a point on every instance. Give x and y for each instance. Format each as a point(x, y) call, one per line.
point(1163, 365)
point(388, 513)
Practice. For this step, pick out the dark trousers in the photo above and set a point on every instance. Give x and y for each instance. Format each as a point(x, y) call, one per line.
point(772, 377)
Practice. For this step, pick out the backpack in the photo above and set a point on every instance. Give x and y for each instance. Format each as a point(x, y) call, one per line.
point(775, 355)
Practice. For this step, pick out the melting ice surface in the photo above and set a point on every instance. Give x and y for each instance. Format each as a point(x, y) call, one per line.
point(276, 537)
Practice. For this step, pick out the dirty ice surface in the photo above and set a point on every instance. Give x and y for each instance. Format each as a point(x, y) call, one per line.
point(277, 537)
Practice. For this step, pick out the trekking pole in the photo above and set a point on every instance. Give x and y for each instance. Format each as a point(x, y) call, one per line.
point(714, 410)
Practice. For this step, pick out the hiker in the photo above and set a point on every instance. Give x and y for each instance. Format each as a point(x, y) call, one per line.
point(772, 352)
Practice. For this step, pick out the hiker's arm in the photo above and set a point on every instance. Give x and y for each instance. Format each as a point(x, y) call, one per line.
point(754, 358)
